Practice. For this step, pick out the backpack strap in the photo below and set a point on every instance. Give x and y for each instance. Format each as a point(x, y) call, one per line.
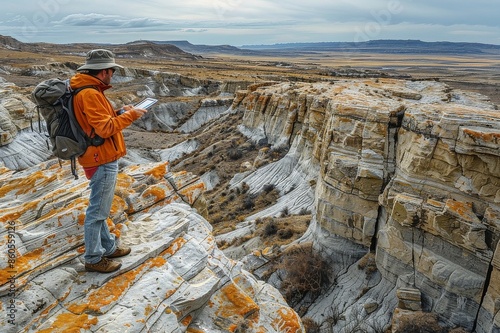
point(74, 122)
point(73, 167)
point(73, 118)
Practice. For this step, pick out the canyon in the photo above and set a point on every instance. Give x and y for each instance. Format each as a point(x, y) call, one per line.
point(400, 173)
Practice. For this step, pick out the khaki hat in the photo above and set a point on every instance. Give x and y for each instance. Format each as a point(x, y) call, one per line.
point(99, 59)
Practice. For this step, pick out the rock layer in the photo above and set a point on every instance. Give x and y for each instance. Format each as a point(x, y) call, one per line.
point(408, 170)
point(175, 279)
point(404, 171)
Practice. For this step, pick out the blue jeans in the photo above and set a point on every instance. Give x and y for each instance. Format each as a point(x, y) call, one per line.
point(98, 240)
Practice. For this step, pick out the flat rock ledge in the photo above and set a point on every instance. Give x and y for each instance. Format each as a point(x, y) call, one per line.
point(175, 280)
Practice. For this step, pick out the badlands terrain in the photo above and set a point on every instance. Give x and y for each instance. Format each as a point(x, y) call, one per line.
point(300, 192)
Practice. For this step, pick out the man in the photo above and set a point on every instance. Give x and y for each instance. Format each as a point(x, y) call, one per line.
point(97, 116)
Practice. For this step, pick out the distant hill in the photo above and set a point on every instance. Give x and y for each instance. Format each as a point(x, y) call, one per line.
point(203, 49)
point(183, 49)
point(383, 46)
point(373, 46)
point(135, 49)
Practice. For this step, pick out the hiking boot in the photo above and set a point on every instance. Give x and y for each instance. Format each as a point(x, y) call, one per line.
point(120, 252)
point(104, 266)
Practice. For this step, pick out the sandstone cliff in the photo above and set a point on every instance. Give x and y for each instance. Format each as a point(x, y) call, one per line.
point(407, 170)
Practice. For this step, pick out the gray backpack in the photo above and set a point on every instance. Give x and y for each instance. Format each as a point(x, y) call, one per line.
point(54, 101)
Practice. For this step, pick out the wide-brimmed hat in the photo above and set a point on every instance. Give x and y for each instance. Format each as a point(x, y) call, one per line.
point(99, 59)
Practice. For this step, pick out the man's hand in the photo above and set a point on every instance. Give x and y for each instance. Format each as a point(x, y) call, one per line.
point(138, 112)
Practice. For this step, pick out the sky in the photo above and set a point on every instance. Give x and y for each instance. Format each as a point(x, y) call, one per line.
point(238, 22)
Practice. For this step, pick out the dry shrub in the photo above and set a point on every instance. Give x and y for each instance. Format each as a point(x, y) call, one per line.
point(285, 233)
point(305, 271)
point(234, 153)
point(310, 325)
point(270, 228)
point(268, 188)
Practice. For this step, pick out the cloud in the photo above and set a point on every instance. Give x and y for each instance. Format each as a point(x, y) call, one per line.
point(195, 30)
point(94, 19)
point(238, 22)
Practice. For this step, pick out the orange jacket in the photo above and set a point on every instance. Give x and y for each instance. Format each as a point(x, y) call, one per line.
point(94, 111)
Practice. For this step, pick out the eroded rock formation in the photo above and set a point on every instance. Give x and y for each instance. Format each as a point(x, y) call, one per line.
point(404, 172)
point(406, 169)
point(175, 280)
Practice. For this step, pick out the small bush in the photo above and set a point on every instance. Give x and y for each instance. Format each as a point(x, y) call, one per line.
point(285, 212)
point(285, 233)
point(270, 229)
point(248, 203)
point(268, 188)
point(310, 325)
point(278, 152)
point(305, 271)
point(234, 153)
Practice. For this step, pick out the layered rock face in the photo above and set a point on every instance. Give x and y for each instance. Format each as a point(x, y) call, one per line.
point(408, 170)
point(175, 279)
point(402, 172)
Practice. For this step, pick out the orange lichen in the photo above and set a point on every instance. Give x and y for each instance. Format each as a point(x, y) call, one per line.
point(10, 217)
point(23, 264)
point(80, 219)
point(235, 302)
point(434, 203)
point(118, 205)
point(155, 191)
point(194, 330)
point(26, 184)
point(486, 137)
point(79, 203)
point(175, 246)
point(158, 172)
point(462, 209)
point(70, 323)
point(6, 275)
point(170, 293)
point(148, 310)
point(114, 289)
point(288, 321)
point(192, 190)
point(124, 180)
point(187, 320)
